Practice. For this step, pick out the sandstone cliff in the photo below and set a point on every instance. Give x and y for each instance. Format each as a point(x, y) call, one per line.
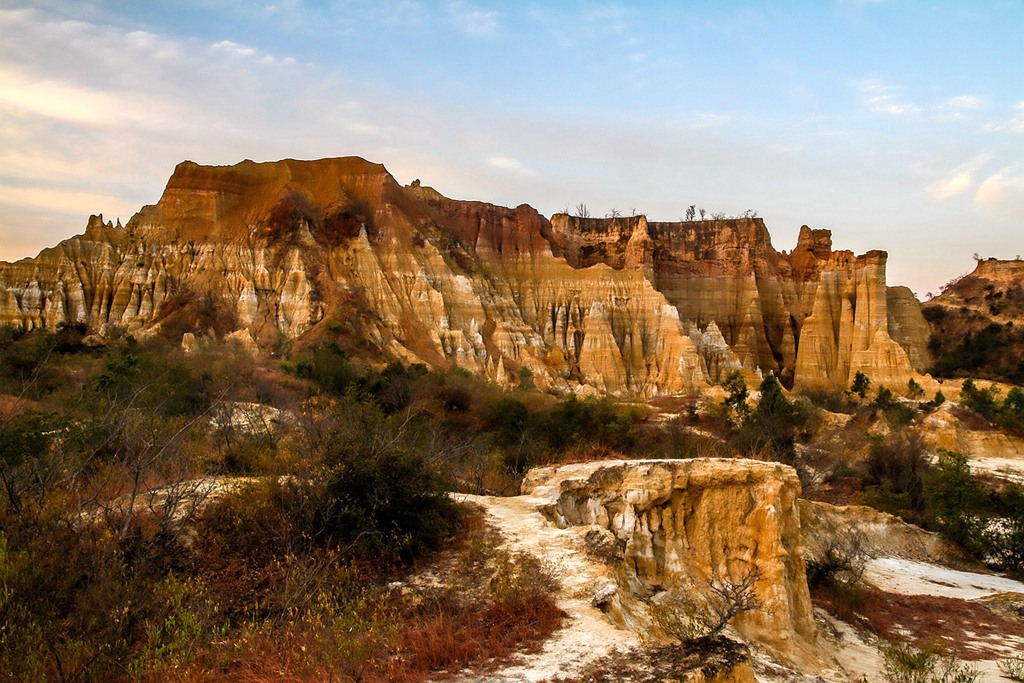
point(280, 250)
point(679, 524)
point(815, 316)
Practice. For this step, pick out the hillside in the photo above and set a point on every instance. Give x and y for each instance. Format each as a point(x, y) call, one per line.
point(977, 324)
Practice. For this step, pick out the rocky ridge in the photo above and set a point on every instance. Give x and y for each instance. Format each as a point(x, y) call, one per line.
point(297, 249)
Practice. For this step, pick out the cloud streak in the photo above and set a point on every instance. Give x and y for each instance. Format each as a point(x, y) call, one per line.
point(883, 98)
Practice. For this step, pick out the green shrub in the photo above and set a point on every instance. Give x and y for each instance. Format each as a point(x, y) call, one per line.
point(737, 394)
point(774, 425)
point(860, 385)
point(953, 498)
point(590, 422)
point(506, 419)
point(329, 367)
point(914, 390)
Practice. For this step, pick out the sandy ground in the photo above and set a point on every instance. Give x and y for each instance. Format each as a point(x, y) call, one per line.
point(1009, 469)
point(895, 575)
point(587, 635)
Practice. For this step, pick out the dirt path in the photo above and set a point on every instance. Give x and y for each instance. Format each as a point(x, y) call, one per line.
point(587, 635)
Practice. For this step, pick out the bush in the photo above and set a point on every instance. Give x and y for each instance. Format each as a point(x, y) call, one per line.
point(914, 390)
point(1004, 532)
point(687, 619)
point(895, 475)
point(860, 385)
point(774, 425)
point(906, 664)
point(381, 494)
point(392, 503)
point(954, 497)
point(506, 419)
point(737, 394)
point(591, 422)
point(329, 367)
point(832, 400)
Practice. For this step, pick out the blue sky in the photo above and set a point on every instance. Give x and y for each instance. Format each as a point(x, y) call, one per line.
point(899, 125)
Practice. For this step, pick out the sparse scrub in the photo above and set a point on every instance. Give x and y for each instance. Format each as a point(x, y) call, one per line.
point(835, 568)
point(1013, 667)
point(166, 572)
point(906, 664)
point(832, 400)
point(692, 617)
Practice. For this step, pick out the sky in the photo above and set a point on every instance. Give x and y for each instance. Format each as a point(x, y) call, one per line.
point(897, 124)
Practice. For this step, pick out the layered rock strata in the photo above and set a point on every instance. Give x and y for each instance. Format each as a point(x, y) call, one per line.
point(291, 248)
point(816, 316)
point(681, 524)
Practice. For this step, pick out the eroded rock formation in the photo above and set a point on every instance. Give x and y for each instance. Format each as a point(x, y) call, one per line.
point(286, 249)
point(679, 524)
point(977, 323)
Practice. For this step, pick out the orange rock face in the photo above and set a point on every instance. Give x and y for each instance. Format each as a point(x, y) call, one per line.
point(622, 305)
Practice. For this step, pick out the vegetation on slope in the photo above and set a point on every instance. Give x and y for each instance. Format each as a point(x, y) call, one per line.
point(215, 516)
point(147, 534)
point(976, 328)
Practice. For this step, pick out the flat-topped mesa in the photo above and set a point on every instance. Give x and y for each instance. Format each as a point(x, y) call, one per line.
point(998, 270)
point(269, 249)
point(265, 200)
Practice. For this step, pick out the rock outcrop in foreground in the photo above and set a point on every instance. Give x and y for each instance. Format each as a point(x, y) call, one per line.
point(676, 525)
point(282, 250)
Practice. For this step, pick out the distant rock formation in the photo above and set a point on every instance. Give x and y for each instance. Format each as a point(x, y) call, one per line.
point(976, 324)
point(283, 249)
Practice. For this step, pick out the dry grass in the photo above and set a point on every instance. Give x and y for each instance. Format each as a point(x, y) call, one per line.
point(475, 606)
point(969, 629)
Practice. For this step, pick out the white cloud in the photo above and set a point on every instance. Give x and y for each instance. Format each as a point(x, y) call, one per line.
point(235, 49)
point(964, 102)
point(708, 120)
point(1002, 193)
point(959, 180)
point(507, 164)
point(950, 186)
point(1014, 124)
point(476, 23)
point(65, 101)
point(886, 99)
point(959, 108)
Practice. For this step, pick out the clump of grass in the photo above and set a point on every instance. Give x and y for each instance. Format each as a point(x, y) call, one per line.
point(1013, 667)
